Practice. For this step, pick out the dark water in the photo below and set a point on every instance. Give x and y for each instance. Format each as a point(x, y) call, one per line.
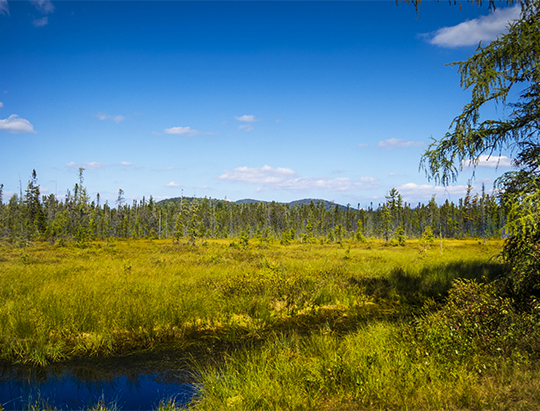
point(125, 385)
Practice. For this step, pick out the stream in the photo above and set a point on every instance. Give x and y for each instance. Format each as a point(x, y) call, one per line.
point(136, 382)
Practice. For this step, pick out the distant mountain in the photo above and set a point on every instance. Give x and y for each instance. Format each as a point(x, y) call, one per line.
point(327, 204)
point(250, 201)
point(176, 200)
point(306, 201)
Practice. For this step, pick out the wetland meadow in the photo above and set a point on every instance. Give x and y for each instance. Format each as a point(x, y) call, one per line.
point(261, 325)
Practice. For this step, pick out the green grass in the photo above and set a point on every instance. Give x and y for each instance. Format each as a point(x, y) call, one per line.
point(113, 298)
point(375, 367)
point(303, 326)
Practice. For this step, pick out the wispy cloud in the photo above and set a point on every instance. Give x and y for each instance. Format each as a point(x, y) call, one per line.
point(16, 125)
point(427, 190)
point(95, 165)
point(172, 184)
point(117, 119)
point(41, 22)
point(287, 179)
point(44, 6)
point(471, 32)
point(87, 165)
point(248, 118)
point(1, 104)
point(246, 127)
point(330, 184)
point(398, 143)
point(188, 131)
point(259, 175)
point(485, 161)
point(4, 8)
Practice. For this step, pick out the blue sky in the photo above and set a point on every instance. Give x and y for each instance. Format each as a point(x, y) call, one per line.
point(266, 100)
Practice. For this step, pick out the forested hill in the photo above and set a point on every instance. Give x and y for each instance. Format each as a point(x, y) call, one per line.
point(328, 205)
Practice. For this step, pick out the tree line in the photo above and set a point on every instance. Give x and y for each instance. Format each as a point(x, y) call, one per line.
point(31, 216)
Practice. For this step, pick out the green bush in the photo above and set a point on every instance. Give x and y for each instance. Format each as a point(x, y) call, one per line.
point(400, 236)
point(428, 236)
point(478, 319)
point(523, 255)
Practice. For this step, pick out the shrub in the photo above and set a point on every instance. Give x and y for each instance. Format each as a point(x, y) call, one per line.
point(400, 236)
point(523, 255)
point(428, 236)
point(478, 318)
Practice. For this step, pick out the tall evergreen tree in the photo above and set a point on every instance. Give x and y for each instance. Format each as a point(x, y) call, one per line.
point(35, 219)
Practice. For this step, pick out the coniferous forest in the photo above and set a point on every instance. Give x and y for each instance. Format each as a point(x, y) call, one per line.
point(80, 218)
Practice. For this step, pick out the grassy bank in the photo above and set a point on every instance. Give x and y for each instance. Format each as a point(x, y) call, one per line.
point(374, 367)
point(300, 326)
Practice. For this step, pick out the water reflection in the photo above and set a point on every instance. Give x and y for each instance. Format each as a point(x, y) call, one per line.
point(77, 387)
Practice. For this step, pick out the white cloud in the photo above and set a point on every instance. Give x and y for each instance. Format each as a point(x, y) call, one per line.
point(182, 130)
point(363, 145)
point(427, 190)
point(246, 127)
point(16, 125)
point(1, 104)
point(332, 184)
point(44, 6)
point(287, 179)
point(398, 143)
point(485, 161)
point(4, 8)
point(41, 22)
point(260, 175)
point(87, 165)
point(248, 118)
point(173, 184)
point(117, 119)
point(92, 165)
point(471, 32)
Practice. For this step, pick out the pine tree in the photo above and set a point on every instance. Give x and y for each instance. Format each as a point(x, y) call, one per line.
point(35, 219)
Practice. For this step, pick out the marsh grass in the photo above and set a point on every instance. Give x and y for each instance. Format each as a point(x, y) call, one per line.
point(110, 298)
point(371, 368)
point(269, 326)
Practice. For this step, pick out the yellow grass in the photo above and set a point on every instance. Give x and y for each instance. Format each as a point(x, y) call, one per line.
point(299, 326)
